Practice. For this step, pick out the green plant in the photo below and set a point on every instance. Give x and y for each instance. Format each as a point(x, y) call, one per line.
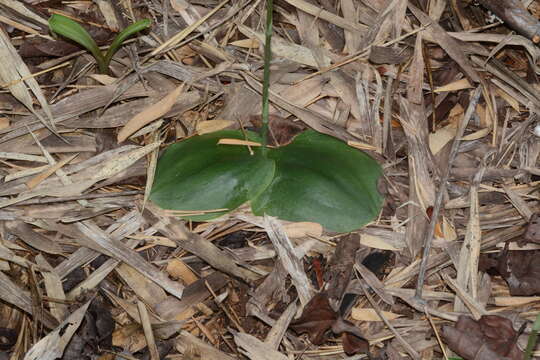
point(72, 30)
point(314, 178)
point(533, 337)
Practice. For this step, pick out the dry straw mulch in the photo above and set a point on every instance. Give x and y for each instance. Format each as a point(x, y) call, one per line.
point(444, 94)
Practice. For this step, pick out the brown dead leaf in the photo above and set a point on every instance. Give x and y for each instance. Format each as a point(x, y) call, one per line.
point(16, 76)
point(450, 45)
point(208, 126)
point(150, 114)
point(353, 344)
point(368, 314)
point(282, 131)
point(341, 268)
point(455, 86)
point(490, 338)
point(520, 269)
point(53, 345)
point(319, 318)
point(316, 320)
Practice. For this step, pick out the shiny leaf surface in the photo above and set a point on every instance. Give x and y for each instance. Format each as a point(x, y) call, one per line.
point(126, 33)
point(319, 178)
point(72, 30)
point(197, 174)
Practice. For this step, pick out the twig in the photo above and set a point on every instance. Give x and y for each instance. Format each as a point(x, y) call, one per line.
point(441, 344)
point(442, 189)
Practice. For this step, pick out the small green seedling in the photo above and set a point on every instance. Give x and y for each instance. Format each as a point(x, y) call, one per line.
point(72, 30)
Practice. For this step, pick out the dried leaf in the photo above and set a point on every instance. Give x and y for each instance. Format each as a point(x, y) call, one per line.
point(38, 241)
point(282, 131)
point(520, 269)
point(255, 349)
point(376, 242)
point(237, 142)
point(246, 43)
point(450, 45)
point(353, 344)
point(490, 338)
point(52, 346)
point(302, 229)
point(386, 55)
point(17, 77)
point(455, 86)
point(368, 314)
point(318, 318)
point(340, 268)
point(205, 127)
point(150, 114)
point(287, 255)
point(284, 48)
point(326, 15)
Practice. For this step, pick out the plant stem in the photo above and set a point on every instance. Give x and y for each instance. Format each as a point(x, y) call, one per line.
point(103, 68)
point(266, 74)
point(532, 339)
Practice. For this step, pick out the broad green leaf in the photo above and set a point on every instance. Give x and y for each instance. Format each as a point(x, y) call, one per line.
point(197, 174)
point(120, 38)
point(72, 30)
point(319, 178)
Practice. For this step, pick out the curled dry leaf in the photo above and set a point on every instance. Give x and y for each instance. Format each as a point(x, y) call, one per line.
point(490, 338)
point(520, 269)
point(319, 318)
